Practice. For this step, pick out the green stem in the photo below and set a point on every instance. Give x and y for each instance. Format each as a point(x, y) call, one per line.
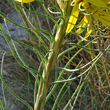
point(41, 96)
point(52, 58)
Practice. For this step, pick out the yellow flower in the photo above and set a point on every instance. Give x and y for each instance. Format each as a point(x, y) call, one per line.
point(91, 9)
point(98, 10)
point(25, 1)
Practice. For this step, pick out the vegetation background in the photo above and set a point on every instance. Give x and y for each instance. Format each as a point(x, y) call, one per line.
point(84, 86)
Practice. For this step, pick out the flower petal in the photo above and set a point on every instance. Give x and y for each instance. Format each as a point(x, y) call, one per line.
point(25, 1)
point(73, 18)
point(98, 3)
point(83, 21)
point(89, 28)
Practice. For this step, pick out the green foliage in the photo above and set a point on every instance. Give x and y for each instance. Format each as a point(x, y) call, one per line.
point(67, 71)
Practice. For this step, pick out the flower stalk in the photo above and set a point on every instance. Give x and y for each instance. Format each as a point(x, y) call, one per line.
point(49, 65)
point(52, 58)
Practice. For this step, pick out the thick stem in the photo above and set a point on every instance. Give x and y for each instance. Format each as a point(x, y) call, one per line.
point(49, 65)
point(61, 32)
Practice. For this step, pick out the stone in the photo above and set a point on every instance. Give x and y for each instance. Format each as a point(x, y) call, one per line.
point(10, 64)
